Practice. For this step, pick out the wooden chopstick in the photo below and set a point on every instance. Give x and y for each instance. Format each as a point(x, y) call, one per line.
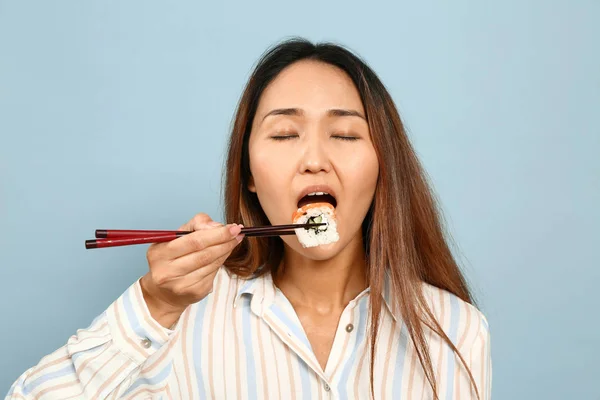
point(269, 228)
point(124, 233)
point(127, 233)
point(101, 243)
point(270, 233)
point(111, 238)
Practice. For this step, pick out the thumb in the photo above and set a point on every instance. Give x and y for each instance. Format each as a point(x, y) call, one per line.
point(199, 222)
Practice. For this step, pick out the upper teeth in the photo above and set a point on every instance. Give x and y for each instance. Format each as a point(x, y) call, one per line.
point(317, 193)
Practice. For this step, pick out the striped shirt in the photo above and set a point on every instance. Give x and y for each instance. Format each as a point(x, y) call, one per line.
point(245, 341)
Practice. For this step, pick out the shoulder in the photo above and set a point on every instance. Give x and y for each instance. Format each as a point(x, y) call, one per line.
point(462, 322)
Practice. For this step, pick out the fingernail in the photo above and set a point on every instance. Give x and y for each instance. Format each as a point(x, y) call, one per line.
point(214, 223)
point(239, 238)
point(235, 230)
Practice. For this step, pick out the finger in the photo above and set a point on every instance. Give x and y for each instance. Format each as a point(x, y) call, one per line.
point(200, 284)
point(200, 240)
point(199, 221)
point(161, 251)
point(199, 259)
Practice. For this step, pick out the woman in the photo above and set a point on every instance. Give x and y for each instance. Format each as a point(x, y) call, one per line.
point(384, 312)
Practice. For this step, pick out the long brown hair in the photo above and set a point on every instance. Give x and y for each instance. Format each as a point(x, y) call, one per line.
point(411, 248)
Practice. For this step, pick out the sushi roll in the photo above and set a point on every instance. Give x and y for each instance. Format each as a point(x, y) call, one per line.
point(316, 213)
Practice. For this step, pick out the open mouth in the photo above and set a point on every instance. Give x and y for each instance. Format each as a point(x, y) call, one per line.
point(317, 197)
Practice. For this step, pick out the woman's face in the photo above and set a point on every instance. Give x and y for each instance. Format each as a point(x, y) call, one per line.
point(310, 134)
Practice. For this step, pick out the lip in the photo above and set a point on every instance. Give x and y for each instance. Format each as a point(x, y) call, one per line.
point(315, 188)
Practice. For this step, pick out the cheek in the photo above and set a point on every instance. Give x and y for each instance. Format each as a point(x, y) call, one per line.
point(268, 170)
point(362, 170)
point(271, 183)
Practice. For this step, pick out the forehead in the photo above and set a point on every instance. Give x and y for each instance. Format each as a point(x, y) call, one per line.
point(312, 86)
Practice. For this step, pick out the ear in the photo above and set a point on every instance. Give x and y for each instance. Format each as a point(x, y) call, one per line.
point(251, 186)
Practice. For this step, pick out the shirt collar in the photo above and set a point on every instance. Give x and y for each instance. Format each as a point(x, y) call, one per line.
point(262, 288)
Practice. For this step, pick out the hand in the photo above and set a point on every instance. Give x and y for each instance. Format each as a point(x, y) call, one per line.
point(182, 271)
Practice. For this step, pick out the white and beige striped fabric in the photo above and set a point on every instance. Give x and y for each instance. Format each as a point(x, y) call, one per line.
point(244, 341)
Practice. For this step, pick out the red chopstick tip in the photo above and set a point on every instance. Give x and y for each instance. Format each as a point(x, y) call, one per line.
point(91, 244)
point(101, 233)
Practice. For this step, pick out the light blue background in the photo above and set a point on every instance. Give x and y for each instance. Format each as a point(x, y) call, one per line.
point(115, 114)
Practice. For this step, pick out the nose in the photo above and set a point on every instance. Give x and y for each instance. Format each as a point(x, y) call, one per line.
point(315, 157)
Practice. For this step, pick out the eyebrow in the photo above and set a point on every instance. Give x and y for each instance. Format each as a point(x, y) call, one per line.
point(334, 112)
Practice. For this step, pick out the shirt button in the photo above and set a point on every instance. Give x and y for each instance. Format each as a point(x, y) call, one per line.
point(327, 388)
point(146, 343)
point(349, 328)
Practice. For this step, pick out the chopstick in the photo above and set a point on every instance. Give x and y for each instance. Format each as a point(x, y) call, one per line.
point(124, 233)
point(124, 237)
point(127, 233)
point(101, 243)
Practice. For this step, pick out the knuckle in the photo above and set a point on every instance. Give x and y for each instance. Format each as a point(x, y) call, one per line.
point(159, 278)
point(178, 290)
point(226, 238)
point(171, 246)
point(198, 241)
point(204, 258)
point(226, 234)
point(151, 253)
point(199, 219)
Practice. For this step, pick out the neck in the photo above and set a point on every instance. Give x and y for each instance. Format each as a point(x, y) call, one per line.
point(324, 285)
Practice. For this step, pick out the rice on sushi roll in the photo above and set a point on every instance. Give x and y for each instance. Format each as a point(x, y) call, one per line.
point(316, 213)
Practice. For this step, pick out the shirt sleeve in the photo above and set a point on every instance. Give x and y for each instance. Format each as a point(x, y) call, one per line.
point(97, 361)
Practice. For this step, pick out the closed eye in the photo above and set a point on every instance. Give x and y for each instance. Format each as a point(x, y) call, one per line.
point(346, 138)
point(284, 137)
